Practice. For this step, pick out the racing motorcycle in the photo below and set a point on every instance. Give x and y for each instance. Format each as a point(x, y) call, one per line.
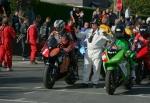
point(141, 47)
point(142, 56)
point(116, 66)
point(58, 65)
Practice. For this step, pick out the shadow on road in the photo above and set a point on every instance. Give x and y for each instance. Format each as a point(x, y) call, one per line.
point(78, 86)
point(138, 90)
point(19, 80)
point(12, 94)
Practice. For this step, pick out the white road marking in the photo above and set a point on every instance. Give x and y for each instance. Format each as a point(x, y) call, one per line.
point(23, 88)
point(25, 62)
point(69, 91)
point(37, 87)
point(30, 92)
point(17, 100)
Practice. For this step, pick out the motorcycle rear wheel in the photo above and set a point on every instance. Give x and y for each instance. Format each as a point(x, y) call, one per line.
point(49, 77)
point(109, 82)
point(139, 73)
point(72, 76)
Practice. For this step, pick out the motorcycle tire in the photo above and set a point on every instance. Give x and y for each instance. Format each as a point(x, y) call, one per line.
point(139, 74)
point(71, 78)
point(109, 82)
point(129, 84)
point(49, 77)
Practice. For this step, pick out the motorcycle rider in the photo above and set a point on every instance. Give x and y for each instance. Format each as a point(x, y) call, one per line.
point(96, 40)
point(141, 38)
point(141, 46)
point(60, 37)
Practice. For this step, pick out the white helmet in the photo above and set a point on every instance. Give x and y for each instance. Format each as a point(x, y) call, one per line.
point(59, 25)
point(148, 20)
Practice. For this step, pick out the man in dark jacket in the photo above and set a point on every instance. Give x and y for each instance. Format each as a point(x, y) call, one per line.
point(16, 22)
point(23, 37)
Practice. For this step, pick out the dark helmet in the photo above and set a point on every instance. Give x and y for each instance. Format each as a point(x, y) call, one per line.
point(143, 30)
point(119, 31)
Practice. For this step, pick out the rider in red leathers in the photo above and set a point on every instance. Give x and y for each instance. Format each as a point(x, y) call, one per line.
point(141, 46)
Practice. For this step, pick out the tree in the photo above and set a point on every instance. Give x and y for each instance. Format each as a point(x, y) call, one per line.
point(140, 7)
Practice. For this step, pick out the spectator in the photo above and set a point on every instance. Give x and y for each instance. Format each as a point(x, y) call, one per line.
point(23, 37)
point(96, 14)
point(103, 15)
point(107, 12)
point(44, 32)
point(80, 19)
point(45, 29)
point(75, 15)
point(112, 18)
point(70, 28)
point(15, 22)
point(82, 34)
point(127, 13)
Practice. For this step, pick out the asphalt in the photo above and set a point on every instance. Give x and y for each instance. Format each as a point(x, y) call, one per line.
point(24, 85)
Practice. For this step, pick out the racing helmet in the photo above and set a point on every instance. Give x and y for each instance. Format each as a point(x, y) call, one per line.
point(148, 20)
point(119, 31)
point(143, 30)
point(59, 25)
point(128, 31)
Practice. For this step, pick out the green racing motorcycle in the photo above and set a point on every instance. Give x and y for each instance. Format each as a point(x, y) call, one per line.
point(117, 66)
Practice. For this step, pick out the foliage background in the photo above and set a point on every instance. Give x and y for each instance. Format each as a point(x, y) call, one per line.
point(140, 7)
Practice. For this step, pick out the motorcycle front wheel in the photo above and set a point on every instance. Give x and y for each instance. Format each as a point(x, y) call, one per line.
point(109, 82)
point(49, 77)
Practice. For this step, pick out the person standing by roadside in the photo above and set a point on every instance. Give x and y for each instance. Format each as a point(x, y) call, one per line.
point(23, 37)
point(44, 33)
point(32, 38)
point(96, 41)
point(8, 34)
point(15, 22)
point(45, 30)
